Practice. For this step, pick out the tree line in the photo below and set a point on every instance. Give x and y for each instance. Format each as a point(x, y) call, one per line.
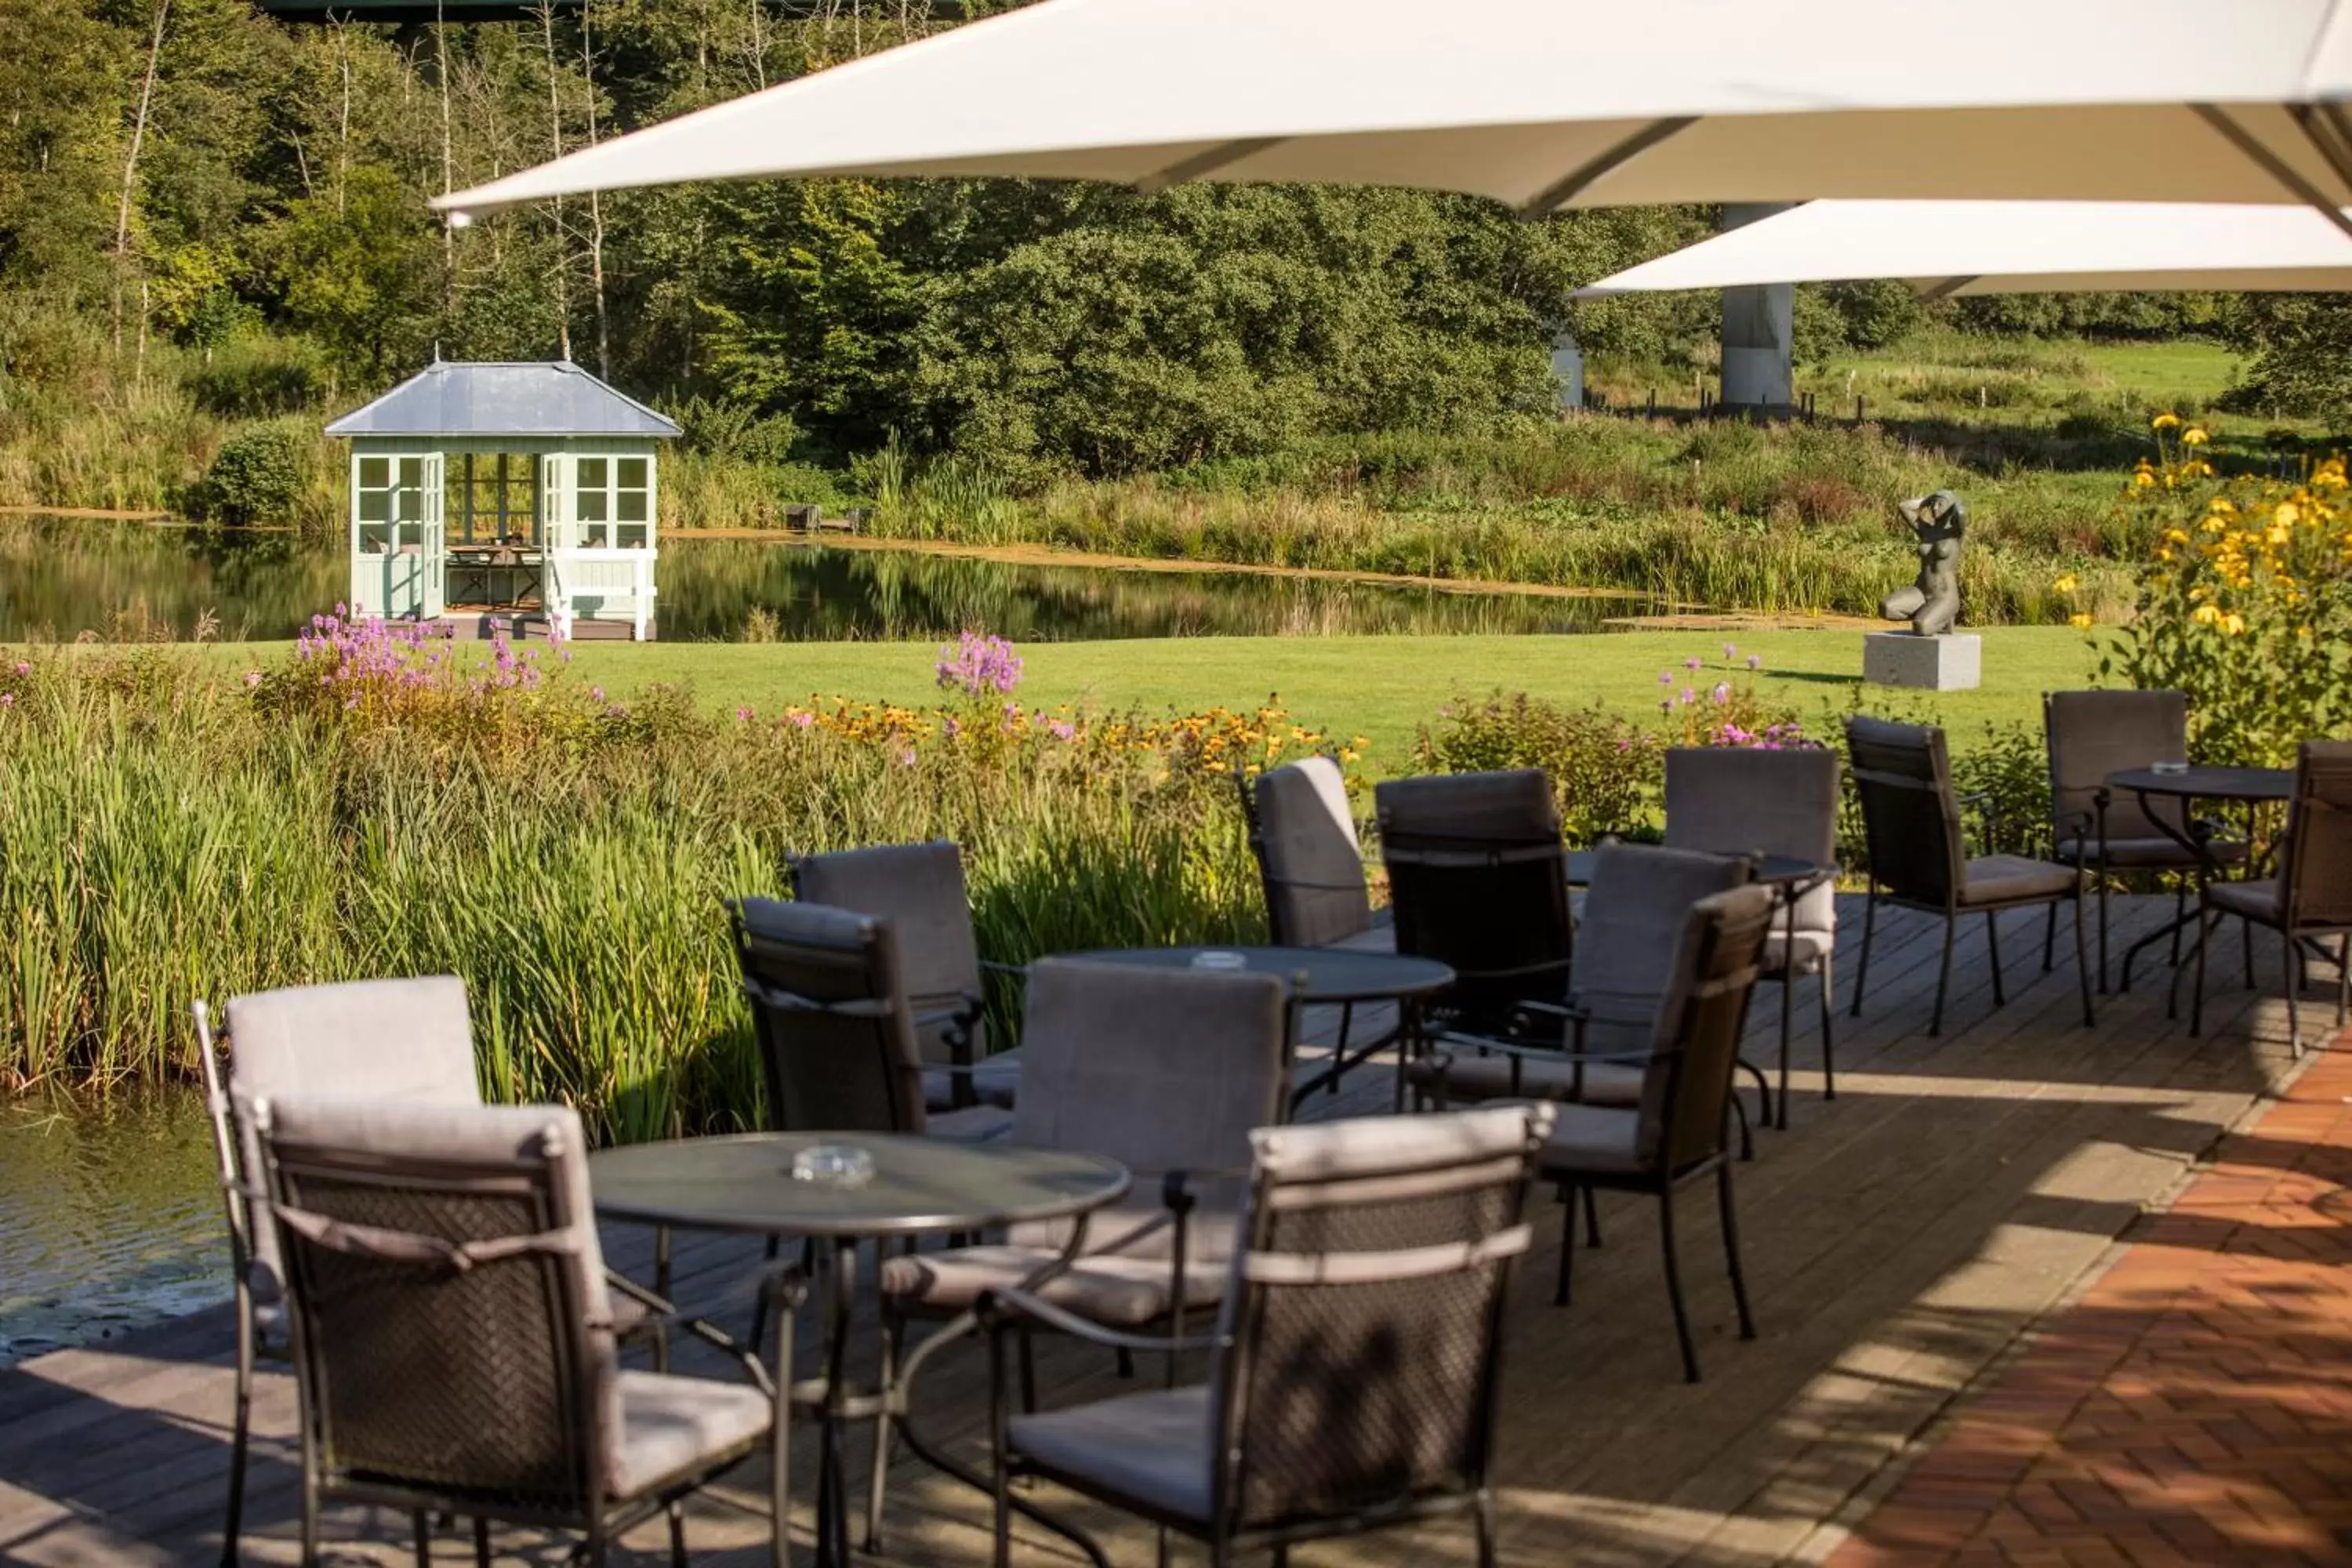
point(196, 173)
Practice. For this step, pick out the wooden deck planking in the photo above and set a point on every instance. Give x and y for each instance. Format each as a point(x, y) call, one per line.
point(1897, 1241)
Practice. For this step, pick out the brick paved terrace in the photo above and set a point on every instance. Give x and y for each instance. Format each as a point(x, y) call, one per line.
point(2194, 1404)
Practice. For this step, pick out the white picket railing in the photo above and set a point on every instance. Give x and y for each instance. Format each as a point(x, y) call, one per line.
point(597, 584)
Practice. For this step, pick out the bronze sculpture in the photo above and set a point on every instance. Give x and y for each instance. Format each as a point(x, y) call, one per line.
point(1932, 602)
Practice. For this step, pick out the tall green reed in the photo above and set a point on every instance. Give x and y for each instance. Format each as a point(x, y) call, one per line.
point(167, 832)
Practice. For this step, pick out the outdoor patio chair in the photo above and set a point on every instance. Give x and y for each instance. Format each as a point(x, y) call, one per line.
point(452, 1331)
point(1165, 1070)
point(836, 1027)
point(1919, 859)
point(2311, 895)
point(1302, 832)
point(2091, 734)
point(1741, 800)
point(1625, 966)
point(393, 1041)
point(920, 889)
point(1352, 1382)
point(1680, 1131)
point(1478, 878)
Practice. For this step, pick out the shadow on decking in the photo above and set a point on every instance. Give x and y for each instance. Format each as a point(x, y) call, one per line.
point(1898, 1242)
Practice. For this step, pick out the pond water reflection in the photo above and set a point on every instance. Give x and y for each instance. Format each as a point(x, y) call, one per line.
point(109, 1218)
point(60, 576)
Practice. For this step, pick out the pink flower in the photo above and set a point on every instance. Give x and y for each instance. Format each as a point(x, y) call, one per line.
point(743, 715)
point(804, 719)
point(1063, 731)
point(1689, 697)
point(252, 678)
point(7, 699)
point(1665, 677)
point(1722, 692)
point(24, 669)
point(1693, 662)
point(597, 692)
point(1755, 661)
point(1729, 651)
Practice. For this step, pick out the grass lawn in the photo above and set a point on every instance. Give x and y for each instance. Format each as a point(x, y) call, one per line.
point(1378, 687)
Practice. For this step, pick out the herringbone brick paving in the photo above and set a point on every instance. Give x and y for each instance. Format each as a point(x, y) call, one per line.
point(2194, 1406)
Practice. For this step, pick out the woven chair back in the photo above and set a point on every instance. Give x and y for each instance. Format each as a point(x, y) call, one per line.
point(1365, 1312)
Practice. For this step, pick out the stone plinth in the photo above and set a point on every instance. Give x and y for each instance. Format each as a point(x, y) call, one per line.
point(1953, 662)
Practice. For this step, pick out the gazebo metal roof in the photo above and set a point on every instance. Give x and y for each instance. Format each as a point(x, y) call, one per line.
point(504, 399)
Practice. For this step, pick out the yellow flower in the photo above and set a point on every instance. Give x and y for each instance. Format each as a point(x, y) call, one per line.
point(2205, 614)
point(2232, 623)
point(2164, 422)
point(2193, 436)
point(2175, 536)
point(2222, 506)
point(2142, 480)
point(2078, 619)
point(2286, 516)
point(2066, 582)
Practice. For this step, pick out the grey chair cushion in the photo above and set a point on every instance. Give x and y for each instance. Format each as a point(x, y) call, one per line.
point(1162, 1069)
point(975, 1124)
point(1998, 878)
point(1393, 1151)
point(1474, 1077)
point(397, 1041)
point(1593, 1138)
point(2144, 853)
point(920, 889)
point(997, 1082)
point(1147, 1450)
point(1314, 863)
point(1734, 800)
point(1803, 957)
point(2256, 901)
point(673, 1426)
point(1114, 1288)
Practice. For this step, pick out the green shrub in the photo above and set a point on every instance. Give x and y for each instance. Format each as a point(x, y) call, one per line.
point(255, 377)
point(259, 476)
point(1605, 771)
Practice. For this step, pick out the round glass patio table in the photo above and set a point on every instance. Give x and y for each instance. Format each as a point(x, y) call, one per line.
point(1315, 973)
point(1329, 975)
point(2247, 786)
point(748, 1184)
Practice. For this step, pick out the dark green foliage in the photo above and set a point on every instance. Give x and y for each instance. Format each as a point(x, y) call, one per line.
point(260, 377)
point(2302, 345)
point(1607, 772)
point(256, 477)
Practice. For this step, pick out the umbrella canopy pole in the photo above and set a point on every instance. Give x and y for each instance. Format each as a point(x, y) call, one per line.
point(1758, 329)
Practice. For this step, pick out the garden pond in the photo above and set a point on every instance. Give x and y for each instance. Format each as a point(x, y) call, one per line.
point(109, 1218)
point(62, 576)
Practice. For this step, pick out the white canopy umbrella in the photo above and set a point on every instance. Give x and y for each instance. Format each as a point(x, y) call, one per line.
point(1550, 103)
point(1946, 248)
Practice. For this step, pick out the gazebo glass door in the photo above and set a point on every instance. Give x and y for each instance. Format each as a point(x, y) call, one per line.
point(397, 517)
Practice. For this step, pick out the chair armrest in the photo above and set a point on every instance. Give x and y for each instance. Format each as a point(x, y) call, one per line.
point(1003, 1309)
point(990, 967)
point(781, 1283)
point(1551, 1053)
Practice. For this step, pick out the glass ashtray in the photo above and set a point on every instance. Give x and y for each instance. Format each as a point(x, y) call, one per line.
point(1219, 958)
point(837, 1165)
point(2167, 769)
